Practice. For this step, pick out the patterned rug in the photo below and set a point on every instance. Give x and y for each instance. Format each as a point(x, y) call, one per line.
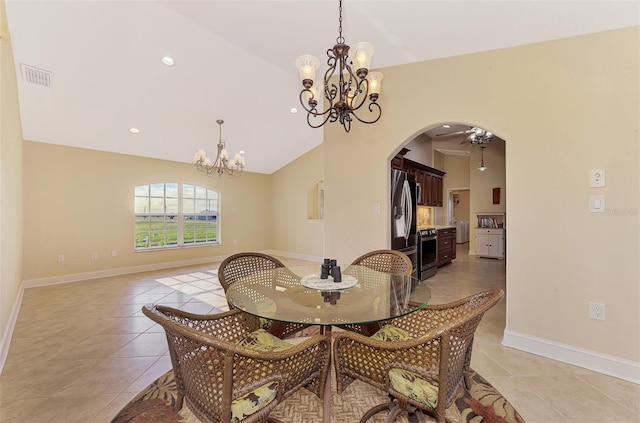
point(483, 403)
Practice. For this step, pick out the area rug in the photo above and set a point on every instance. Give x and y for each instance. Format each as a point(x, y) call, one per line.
point(481, 404)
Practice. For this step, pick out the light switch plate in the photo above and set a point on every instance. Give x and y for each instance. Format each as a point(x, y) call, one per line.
point(596, 178)
point(596, 203)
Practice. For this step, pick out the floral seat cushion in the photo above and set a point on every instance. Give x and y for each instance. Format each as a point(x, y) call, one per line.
point(261, 340)
point(391, 333)
point(252, 402)
point(403, 381)
point(413, 386)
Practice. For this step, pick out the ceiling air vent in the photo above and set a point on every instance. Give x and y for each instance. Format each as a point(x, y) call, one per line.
point(35, 75)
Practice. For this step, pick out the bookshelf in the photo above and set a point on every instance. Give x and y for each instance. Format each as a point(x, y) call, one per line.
point(490, 235)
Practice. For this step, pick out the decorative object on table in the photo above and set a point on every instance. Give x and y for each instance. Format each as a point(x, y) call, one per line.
point(436, 337)
point(325, 269)
point(228, 369)
point(222, 164)
point(316, 282)
point(344, 97)
point(330, 268)
point(482, 402)
point(242, 265)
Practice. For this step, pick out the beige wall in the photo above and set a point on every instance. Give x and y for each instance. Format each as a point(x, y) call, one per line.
point(10, 186)
point(564, 107)
point(293, 189)
point(81, 201)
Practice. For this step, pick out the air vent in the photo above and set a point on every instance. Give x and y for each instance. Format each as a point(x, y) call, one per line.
point(35, 75)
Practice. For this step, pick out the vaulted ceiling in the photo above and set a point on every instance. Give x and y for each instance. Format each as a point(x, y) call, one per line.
point(234, 60)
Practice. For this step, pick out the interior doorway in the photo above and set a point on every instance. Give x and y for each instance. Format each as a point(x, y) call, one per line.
point(459, 209)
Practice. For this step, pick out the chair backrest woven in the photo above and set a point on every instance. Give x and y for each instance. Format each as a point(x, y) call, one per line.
point(467, 317)
point(200, 347)
point(387, 261)
point(241, 265)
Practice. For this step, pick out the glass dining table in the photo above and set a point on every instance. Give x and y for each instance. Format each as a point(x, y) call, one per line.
point(296, 294)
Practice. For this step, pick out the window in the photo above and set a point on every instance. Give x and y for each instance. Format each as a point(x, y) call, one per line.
point(174, 215)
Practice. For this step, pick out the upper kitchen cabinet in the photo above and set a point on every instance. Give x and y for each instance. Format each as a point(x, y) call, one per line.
point(428, 178)
point(398, 161)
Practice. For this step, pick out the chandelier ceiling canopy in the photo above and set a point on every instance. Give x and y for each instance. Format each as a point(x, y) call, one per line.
point(354, 87)
point(222, 164)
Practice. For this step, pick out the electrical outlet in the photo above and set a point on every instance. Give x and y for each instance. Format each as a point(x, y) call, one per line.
point(597, 311)
point(94, 255)
point(61, 257)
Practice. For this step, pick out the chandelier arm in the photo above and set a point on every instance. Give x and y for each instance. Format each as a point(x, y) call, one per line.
point(362, 98)
point(324, 120)
point(371, 107)
point(311, 110)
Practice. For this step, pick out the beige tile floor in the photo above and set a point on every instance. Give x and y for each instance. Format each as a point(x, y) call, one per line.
point(82, 350)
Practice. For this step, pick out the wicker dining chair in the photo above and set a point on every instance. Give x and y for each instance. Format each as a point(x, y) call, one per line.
point(229, 370)
point(240, 265)
point(421, 359)
point(384, 261)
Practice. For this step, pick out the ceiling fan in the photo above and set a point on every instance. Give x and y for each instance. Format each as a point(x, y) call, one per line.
point(475, 136)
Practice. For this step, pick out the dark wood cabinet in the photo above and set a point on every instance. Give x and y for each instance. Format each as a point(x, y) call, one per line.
point(397, 163)
point(446, 242)
point(429, 179)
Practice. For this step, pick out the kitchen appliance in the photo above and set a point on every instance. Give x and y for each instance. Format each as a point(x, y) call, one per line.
point(404, 236)
point(428, 252)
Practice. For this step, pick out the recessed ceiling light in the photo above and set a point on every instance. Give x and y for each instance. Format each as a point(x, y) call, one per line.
point(446, 126)
point(134, 130)
point(294, 110)
point(168, 61)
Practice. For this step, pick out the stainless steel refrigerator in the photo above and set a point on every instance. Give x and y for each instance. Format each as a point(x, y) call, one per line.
point(404, 236)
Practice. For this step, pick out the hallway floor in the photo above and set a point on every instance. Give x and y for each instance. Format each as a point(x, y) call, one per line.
point(80, 351)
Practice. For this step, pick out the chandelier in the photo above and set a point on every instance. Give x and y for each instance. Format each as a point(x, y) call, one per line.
point(222, 164)
point(346, 96)
point(482, 167)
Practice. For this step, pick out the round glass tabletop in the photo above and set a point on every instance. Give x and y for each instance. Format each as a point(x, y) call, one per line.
point(289, 294)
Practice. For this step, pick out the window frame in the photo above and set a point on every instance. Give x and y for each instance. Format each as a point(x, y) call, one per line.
point(173, 220)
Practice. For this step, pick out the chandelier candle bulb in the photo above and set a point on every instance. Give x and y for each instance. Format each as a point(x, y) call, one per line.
point(375, 83)
point(362, 53)
point(307, 66)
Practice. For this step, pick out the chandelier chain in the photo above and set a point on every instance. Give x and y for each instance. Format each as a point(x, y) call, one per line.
point(340, 39)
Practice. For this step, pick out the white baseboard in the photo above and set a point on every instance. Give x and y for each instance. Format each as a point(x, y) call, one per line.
point(601, 363)
point(75, 277)
point(5, 342)
point(293, 255)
